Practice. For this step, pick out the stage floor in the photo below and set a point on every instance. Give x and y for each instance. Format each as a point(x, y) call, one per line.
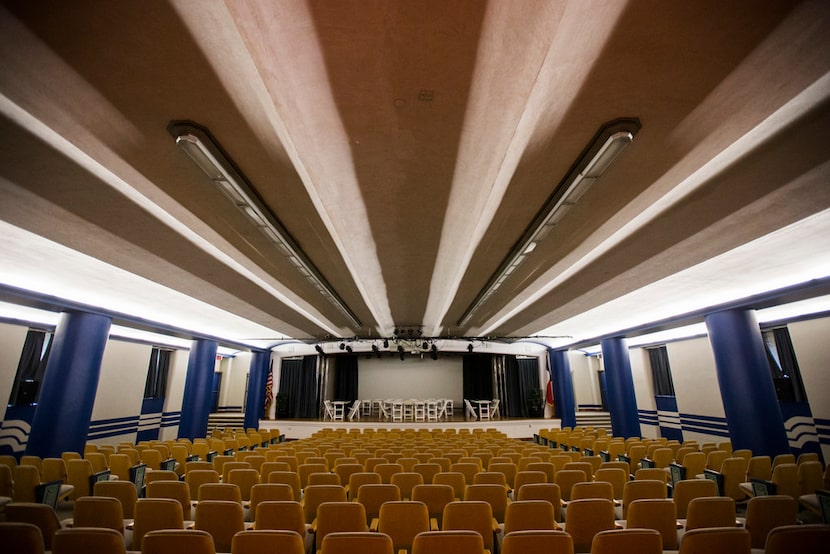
point(524, 429)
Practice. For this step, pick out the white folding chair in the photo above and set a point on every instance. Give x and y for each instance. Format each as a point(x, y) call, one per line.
point(329, 411)
point(432, 410)
point(355, 410)
point(494, 409)
point(471, 412)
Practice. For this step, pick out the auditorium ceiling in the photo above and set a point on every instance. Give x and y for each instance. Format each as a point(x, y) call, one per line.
point(405, 149)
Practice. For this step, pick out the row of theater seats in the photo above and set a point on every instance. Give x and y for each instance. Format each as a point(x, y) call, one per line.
point(328, 457)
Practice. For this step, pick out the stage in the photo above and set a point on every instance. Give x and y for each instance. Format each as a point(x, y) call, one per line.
point(515, 428)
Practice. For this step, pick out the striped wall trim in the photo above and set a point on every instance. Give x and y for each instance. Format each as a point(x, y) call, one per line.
point(648, 417)
point(670, 420)
point(579, 407)
point(707, 425)
point(800, 431)
point(823, 429)
point(149, 421)
point(14, 434)
point(105, 428)
point(170, 419)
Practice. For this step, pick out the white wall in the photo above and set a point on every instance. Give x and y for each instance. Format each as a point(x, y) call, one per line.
point(584, 371)
point(696, 383)
point(235, 373)
point(414, 377)
point(813, 355)
point(643, 387)
point(12, 338)
point(121, 384)
point(176, 375)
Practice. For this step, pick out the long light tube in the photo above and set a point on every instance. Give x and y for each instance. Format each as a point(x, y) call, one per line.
point(606, 145)
point(205, 153)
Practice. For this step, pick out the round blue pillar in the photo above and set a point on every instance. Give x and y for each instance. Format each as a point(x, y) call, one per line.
point(197, 396)
point(563, 387)
point(753, 413)
point(70, 382)
point(260, 362)
point(622, 401)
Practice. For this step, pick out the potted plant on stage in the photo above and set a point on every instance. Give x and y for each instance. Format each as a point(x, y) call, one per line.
point(281, 409)
point(534, 403)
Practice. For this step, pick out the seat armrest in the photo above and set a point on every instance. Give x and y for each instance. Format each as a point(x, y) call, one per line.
point(496, 527)
point(374, 525)
point(433, 524)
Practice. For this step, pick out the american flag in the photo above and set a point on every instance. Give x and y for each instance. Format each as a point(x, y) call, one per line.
point(269, 391)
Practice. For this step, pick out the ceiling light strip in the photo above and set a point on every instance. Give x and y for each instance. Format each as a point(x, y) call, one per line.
point(209, 157)
point(603, 149)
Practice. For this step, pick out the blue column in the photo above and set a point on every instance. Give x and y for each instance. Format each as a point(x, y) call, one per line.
point(622, 402)
point(64, 409)
point(753, 414)
point(197, 389)
point(563, 387)
point(260, 362)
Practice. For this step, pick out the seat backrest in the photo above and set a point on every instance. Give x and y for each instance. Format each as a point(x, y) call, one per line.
point(495, 495)
point(529, 514)
point(195, 478)
point(647, 488)
point(315, 495)
point(616, 476)
point(82, 540)
point(220, 491)
point(363, 542)
point(333, 517)
point(543, 491)
point(695, 463)
point(281, 515)
point(78, 472)
point(588, 517)
point(566, 478)
point(373, 496)
point(759, 467)
point(177, 490)
point(471, 516)
point(406, 481)
point(267, 542)
point(41, 515)
point(156, 513)
point(764, 513)
point(357, 480)
point(528, 476)
point(688, 489)
point(734, 473)
point(652, 473)
point(522, 542)
point(595, 489)
point(19, 537)
point(53, 469)
point(222, 519)
point(435, 497)
point(26, 479)
point(718, 540)
point(124, 491)
point(710, 511)
point(454, 479)
point(174, 541)
point(99, 511)
point(783, 459)
point(785, 477)
point(659, 514)
point(402, 520)
point(788, 539)
point(245, 479)
point(98, 461)
point(448, 542)
point(263, 492)
point(627, 541)
point(810, 476)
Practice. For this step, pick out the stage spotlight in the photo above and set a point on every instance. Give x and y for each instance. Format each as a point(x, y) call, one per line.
point(470, 348)
point(349, 349)
point(319, 350)
point(385, 343)
point(342, 346)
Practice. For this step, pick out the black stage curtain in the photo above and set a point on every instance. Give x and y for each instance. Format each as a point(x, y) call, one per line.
point(345, 378)
point(478, 376)
point(298, 379)
point(522, 376)
point(661, 371)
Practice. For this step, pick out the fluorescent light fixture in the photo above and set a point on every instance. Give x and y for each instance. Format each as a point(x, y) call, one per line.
point(604, 148)
point(206, 153)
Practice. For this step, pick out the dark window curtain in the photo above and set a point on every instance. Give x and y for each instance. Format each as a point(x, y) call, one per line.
point(661, 371)
point(31, 367)
point(156, 384)
point(478, 376)
point(522, 376)
point(789, 363)
point(345, 378)
point(298, 379)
